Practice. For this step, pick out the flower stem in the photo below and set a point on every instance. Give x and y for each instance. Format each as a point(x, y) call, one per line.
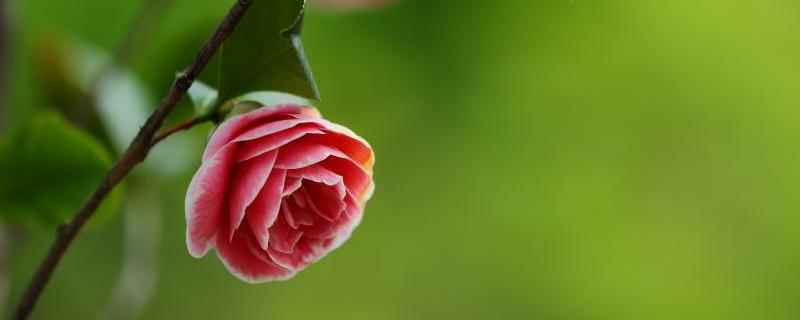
point(135, 153)
point(185, 125)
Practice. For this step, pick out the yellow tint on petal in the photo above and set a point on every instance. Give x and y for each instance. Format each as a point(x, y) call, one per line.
point(366, 194)
point(370, 162)
point(311, 111)
point(367, 165)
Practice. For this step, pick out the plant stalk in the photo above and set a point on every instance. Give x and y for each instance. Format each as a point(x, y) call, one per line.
point(135, 153)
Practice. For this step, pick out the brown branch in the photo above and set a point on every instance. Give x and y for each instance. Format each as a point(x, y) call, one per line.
point(135, 154)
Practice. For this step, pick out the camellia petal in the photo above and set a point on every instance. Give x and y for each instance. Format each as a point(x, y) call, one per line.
point(304, 252)
point(304, 153)
point(318, 174)
point(297, 215)
point(283, 237)
point(346, 141)
point(270, 127)
point(205, 201)
point(234, 126)
point(326, 200)
point(298, 181)
point(250, 149)
point(356, 178)
point(242, 256)
point(264, 211)
point(291, 185)
point(248, 180)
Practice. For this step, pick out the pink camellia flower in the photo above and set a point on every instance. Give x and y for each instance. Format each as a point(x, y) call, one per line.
point(278, 188)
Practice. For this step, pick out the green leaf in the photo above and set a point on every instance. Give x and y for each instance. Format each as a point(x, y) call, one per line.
point(48, 168)
point(265, 52)
point(254, 100)
point(271, 98)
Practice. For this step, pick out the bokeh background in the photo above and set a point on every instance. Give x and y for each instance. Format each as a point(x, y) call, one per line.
point(545, 159)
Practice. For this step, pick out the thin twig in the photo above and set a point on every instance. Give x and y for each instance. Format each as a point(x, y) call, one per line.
point(135, 154)
point(191, 122)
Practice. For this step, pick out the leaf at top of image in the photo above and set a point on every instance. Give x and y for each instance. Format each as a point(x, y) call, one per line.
point(265, 53)
point(48, 168)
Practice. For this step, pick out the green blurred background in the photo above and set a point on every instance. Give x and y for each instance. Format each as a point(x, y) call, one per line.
point(545, 159)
